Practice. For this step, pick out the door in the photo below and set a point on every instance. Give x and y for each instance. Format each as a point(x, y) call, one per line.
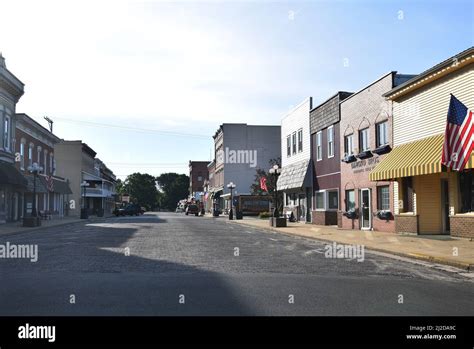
point(366, 209)
point(445, 206)
point(302, 206)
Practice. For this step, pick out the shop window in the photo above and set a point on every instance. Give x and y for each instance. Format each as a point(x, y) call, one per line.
point(333, 200)
point(383, 198)
point(288, 146)
point(349, 144)
point(300, 140)
point(319, 146)
point(364, 140)
point(350, 200)
point(319, 198)
point(407, 188)
point(330, 132)
point(466, 186)
point(382, 133)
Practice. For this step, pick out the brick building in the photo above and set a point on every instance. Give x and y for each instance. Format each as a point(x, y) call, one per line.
point(429, 198)
point(325, 153)
point(198, 174)
point(365, 133)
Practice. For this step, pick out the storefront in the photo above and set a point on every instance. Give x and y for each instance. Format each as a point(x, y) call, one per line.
point(430, 198)
point(12, 185)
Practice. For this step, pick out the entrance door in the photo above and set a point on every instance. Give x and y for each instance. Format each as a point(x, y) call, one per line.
point(302, 206)
point(445, 206)
point(366, 219)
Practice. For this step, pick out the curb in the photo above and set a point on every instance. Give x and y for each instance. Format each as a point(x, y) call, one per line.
point(46, 227)
point(418, 256)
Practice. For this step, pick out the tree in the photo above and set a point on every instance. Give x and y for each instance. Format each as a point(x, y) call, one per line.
point(271, 183)
point(174, 187)
point(120, 187)
point(142, 189)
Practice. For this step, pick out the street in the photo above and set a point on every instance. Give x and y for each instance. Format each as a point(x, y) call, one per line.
point(167, 263)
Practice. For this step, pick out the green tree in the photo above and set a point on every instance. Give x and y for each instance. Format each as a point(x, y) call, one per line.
point(142, 188)
point(174, 187)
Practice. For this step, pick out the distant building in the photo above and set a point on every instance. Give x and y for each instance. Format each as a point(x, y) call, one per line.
point(198, 174)
point(12, 182)
point(239, 150)
point(35, 144)
point(78, 164)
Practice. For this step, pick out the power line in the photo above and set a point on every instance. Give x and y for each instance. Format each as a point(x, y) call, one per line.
point(137, 129)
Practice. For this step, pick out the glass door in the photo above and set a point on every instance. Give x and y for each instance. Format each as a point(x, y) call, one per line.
point(365, 206)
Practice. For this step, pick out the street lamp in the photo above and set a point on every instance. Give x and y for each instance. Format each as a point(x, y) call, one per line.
point(231, 186)
point(275, 171)
point(84, 185)
point(34, 169)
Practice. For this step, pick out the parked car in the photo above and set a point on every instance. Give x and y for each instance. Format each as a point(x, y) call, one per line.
point(192, 209)
point(129, 210)
point(142, 210)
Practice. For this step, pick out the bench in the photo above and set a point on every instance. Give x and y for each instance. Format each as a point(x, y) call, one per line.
point(46, 215)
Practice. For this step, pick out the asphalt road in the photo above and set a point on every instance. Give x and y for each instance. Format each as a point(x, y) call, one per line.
point(186, 265)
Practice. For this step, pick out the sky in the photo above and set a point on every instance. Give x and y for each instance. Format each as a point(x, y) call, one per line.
point(147, 83)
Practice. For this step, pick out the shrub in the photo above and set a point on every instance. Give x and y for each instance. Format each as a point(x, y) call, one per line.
point(263, 215)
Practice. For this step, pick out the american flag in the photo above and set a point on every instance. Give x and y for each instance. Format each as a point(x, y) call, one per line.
point(49, 181)
point(459, 136)
point(263, 183)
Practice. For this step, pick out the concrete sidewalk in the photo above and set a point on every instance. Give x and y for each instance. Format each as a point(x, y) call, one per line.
point(433, 248)
point(17, 227)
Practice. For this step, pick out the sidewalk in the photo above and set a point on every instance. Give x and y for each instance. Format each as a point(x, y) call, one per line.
point(16, 227)
point(432, 248)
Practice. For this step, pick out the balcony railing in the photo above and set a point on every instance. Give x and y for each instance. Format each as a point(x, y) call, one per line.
point(99, 192)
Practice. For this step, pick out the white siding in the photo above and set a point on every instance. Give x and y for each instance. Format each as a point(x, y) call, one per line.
point(423, 113)
point(296, 119)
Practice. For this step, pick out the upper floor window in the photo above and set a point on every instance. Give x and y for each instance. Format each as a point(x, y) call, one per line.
point(349, 144)
point(30, 155)
point(382, 133)
point(319, 146)
point(22, 155)
point(288, 146)
point(330, 132)
point(300, 140)
point(199, 178)
point(38, 155)
point(45, 162)
point(6, 133)
point(293, 139)
point(51, 167)
point(364, 140)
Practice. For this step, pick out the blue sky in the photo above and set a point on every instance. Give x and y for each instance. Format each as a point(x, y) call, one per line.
point(186, 67)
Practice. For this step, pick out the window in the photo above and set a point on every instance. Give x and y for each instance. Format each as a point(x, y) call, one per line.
point(333, 200)
point(349, 144)
point(199, 178)
point(350, 200)
point(288, 146)
point(300, 140)
point(382, 133)
point(51, 169)
point(30, 155)
point(45, 161)
point(320, 200)
point(383, 198)
point(407, 189)
point(293, 138)
point(38, 155)
point(364, 140)
point(6, 133)
point(330, 141)
point(319, 146)
point(22, 155)
point(466, 186)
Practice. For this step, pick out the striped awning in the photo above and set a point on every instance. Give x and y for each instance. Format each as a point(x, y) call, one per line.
point(413, 159)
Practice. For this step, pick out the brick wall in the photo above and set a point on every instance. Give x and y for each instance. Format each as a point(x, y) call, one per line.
point(462, 226)
point(365, 109)
point(324, 217)
point(406, 224)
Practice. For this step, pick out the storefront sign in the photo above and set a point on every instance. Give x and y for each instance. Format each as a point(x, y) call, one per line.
point(365, 165)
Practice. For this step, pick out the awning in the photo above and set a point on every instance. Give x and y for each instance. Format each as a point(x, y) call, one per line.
point(10, 175)
point(40, 187)
point(416, 158)
point(295, 176)
point(59, 186)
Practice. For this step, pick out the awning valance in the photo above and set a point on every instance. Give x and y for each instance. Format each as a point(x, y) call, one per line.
point(10, 175)
point(416, 158)
point(58, 186)
point(295, 176)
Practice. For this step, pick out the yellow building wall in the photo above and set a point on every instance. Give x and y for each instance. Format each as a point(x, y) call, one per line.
point(428, 203)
